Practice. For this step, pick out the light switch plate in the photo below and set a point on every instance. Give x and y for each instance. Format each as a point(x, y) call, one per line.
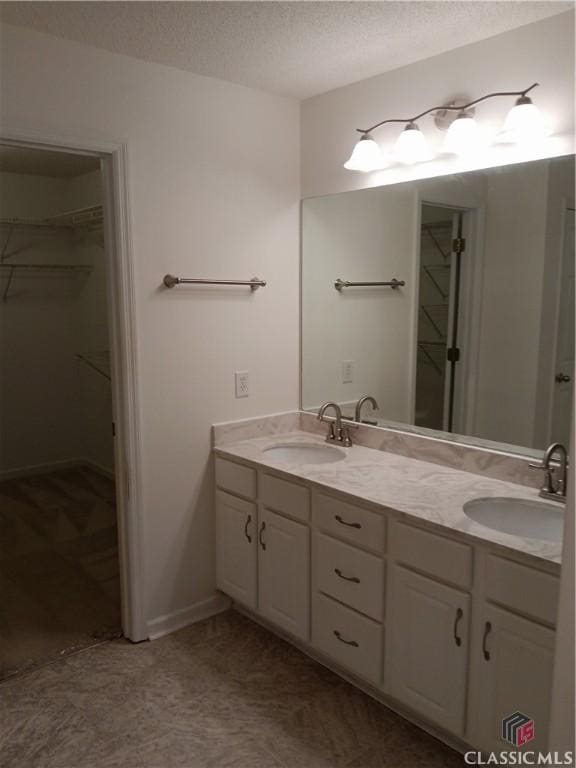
point(242, 383)
point(347, 371)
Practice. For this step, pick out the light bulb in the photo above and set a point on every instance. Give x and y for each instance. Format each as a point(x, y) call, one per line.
point(366, 156)
point(463, 136)
point(524, 123)
point(411, 146)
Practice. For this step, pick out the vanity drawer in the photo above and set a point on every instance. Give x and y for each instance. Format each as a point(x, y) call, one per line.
point(352, 640)
point(347, 521)
point(350, 575)
point(285, 497)
point(236, 478)
point(522, 589)
point(444, 558)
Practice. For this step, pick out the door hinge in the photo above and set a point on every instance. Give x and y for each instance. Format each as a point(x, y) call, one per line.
point(453, 354)
point(113, 429)
point(459, 244)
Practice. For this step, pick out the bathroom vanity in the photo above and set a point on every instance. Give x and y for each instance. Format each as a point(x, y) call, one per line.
point(366, 560)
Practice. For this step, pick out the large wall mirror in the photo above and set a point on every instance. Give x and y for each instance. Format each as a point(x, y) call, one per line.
point(478, 341)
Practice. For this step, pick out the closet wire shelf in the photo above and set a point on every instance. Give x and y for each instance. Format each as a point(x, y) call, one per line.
point(84, 219)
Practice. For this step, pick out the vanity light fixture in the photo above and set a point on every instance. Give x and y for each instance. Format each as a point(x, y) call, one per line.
point(463, 135)
point(366, 156)
point(524, 123)
point(411, 146)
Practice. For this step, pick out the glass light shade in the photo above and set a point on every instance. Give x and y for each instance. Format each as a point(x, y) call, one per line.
point(524, 123)
point(463, 136)
point(411, 146)
point(366, 156)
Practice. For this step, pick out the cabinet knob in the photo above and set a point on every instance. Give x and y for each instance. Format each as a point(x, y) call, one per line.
point(343, 522)
point(457, 620)
point(487, 630)
point(343, 640)
point(339, 573)
point(246, 534)
point(260, 539)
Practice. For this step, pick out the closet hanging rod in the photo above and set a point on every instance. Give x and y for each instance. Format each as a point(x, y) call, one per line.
point(339, 284)
point(170, 281)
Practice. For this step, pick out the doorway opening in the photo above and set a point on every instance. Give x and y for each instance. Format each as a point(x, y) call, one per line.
point(60, 563)
point(441, 313)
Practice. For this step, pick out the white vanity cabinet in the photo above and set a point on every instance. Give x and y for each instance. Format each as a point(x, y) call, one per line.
point(236, 553)
point(428, 620)
point(454, 631)
point(427, 647)
point(513, 652)
point(284, 566)
point(514, 672)
point(263, 546)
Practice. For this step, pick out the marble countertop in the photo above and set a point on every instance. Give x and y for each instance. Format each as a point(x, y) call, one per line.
point(411, 487)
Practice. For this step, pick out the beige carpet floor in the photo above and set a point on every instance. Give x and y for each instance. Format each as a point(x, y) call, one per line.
point(223, 693)
point(59, 576)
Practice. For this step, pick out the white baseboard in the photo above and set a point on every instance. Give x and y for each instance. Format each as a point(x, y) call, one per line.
point(164, 625)
point(54, 466)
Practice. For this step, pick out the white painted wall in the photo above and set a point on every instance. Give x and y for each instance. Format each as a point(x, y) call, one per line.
point(214, 190)
point(362, 236)
point(541, 52)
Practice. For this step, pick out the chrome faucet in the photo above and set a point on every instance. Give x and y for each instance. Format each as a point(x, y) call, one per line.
point(337, 432)
point(554, 487)
point(360, 403)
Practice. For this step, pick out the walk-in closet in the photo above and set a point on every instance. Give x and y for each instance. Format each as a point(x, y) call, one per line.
point(59, 574)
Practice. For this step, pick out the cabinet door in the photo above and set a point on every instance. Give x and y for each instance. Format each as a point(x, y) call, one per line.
point(284, 573)
point(427, 647)
point(514, 670)
point(236, 555)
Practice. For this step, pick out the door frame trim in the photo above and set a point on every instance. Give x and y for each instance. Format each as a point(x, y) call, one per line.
point(124, 359)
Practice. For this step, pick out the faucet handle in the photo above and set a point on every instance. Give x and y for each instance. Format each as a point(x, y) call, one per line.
point(548, 485)
point(331, 436)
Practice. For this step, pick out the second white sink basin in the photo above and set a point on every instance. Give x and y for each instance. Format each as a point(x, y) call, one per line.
point(520, 517)
point(305, 453)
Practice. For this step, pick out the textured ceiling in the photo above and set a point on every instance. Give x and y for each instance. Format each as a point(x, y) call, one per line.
point(293, 48)
point(41, 162)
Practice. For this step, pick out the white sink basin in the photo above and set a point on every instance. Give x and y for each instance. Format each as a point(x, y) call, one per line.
point(520, 517)
point(305, 453)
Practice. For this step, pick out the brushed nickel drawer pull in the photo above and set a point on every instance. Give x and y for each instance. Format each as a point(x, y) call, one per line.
point(343, 640)
point(343, 522)
point(339, 573)
point(487, 630)
point(262, 542)
point(248, 521)
point(457, 638)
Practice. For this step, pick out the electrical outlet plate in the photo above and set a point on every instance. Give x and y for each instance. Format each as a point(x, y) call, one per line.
point(347, 371)
point(242, 384)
